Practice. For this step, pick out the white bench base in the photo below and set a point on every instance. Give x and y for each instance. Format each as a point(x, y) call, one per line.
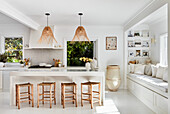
point(156, 102)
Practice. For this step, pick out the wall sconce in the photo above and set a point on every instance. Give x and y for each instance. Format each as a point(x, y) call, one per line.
point(153, 40)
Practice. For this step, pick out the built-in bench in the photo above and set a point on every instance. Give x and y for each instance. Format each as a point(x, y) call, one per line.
point(151, 91)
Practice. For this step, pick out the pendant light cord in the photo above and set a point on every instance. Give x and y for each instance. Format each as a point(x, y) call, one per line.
point(80, 20)
point(47, 20)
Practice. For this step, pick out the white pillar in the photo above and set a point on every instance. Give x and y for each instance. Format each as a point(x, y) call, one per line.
point(169, 55)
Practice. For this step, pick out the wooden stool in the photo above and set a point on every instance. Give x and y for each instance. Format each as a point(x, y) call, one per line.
point(92, 94)
point(24, 95)
point(68, 94)
point(46, 94)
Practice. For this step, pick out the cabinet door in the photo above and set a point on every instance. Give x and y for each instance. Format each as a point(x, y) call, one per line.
point(5, 80)
point(0, 79)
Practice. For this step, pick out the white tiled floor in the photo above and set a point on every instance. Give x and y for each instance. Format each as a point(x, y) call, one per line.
point(124, 100)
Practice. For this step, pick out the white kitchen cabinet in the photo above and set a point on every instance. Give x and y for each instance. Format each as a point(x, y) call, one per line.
point(5, 80)
point(5, 77)
point(0, 80)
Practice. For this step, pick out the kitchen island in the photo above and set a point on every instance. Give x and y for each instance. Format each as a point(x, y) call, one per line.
point(59, 76)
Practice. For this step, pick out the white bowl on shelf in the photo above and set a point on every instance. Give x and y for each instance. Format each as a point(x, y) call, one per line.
point(42, 64)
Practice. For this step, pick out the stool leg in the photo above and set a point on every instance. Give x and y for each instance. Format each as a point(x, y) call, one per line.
point(32, 95)
point(73, 94)
point(18, 97)
point(54, 93)
point(81, 95)
point(29, 97)
point(76, 95)
point(16, 94)
point(99, 95)
point(38, 96)
point(50, 96)
point(42, 93)
point(63, 96)
point(91, 92)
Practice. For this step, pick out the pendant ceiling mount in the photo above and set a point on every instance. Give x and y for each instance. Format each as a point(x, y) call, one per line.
point(80, 34)
point(47, 33)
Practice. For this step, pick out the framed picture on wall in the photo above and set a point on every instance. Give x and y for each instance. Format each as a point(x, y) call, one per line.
point(111, 43)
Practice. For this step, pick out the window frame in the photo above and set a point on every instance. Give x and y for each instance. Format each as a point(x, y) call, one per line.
point(13, 36)
point(163, 63)
point(97, 51)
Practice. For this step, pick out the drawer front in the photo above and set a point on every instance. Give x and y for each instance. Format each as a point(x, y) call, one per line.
point(0, 79)
point(161, 104)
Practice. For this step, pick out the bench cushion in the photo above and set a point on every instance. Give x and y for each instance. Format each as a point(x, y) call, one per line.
point(157, 83)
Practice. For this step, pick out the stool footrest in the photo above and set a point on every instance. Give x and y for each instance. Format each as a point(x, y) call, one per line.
point(68, 91)
point(25, 101)
point(48, 92)
point(23, 92)
point(86, 99)
point(45, 94)
point(96, 92)
point(49, 97)
point(86, 93)
point(45, 100)
point(24, 98)
point(70, 94)
point(26, 95)
point(69, 100)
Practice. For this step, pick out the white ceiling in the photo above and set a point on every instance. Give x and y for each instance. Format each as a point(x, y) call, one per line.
point(7, 20)
point(96, 12)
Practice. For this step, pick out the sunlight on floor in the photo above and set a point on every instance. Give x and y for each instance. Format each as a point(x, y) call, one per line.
point(108, 108)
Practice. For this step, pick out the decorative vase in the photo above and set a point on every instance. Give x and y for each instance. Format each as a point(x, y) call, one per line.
point(113, 79)
point(87, 65)
point(94, 64)
point(1, 64)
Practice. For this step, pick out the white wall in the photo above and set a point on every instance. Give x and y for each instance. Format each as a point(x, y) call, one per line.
point(156, 30)
point(13, 30)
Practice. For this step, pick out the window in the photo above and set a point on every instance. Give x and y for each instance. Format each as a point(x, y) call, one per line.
point(14, 49)
point(77, 50)
point(164, 49)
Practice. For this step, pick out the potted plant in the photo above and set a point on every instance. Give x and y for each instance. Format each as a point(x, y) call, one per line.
point(3, 59)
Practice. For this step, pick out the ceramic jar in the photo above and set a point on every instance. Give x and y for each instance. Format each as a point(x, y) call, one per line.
point(87, 65)
point(94, 64)
point(1, 64)
point(113, 79)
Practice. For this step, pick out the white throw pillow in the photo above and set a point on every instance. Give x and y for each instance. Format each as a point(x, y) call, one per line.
point(139, 69)
point(160, 72)
point(165, 75)
point(148, 70)
point(132, 68)
point(154, 70)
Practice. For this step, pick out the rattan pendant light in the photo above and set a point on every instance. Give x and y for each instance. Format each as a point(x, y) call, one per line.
point(47, 34)
point(80, 34)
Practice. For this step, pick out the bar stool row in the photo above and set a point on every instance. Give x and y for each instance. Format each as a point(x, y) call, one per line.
point(67, 95)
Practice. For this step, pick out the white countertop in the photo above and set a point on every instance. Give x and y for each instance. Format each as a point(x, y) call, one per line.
point(12, 68)
point(40, 69)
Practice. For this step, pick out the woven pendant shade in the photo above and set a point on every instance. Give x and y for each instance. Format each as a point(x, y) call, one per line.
point(80, 34)
point(47, 34)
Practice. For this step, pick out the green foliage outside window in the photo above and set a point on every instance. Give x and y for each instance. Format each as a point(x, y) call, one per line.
point(14, 49)
point(77, 50)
